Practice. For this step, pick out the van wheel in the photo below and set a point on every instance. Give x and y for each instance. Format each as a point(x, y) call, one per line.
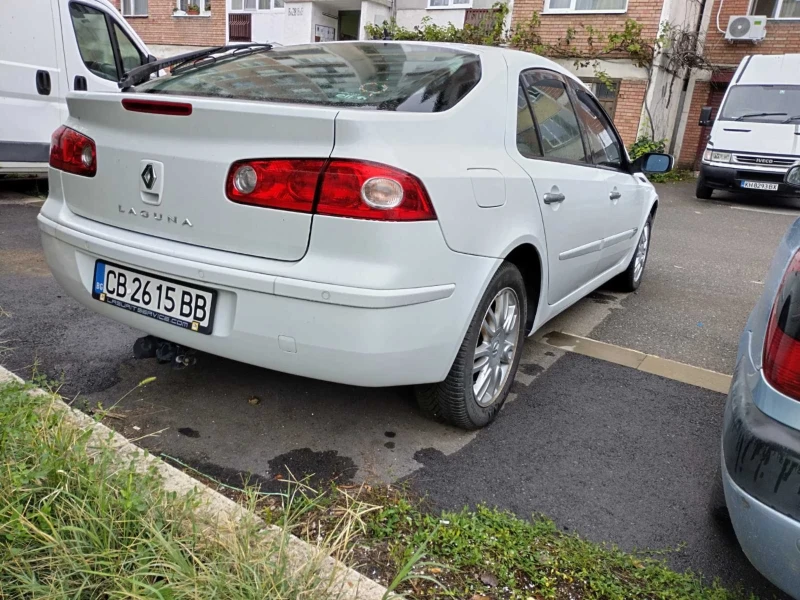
point(702, 191)
point(630, 279)
point(486, 363)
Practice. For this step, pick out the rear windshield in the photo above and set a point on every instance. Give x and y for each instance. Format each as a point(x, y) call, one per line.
point(763, 103)
point(380, 76)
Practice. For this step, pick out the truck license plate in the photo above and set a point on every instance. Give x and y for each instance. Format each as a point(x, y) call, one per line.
point(760, 185)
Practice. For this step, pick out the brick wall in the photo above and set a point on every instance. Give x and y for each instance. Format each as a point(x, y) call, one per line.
point(630, 99)
point(782, 36)
point(160, 27)
point(691, 138)
point(554, 27)
point(695, 138)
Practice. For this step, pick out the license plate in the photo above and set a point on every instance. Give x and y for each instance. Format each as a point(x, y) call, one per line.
point(168, 301)
point(760, 185)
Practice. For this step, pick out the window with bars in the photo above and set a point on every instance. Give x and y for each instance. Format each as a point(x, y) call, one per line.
point(563, 6)
point(134, 8)
point(776, 9)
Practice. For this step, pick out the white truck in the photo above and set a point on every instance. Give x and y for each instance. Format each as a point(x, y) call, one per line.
point(756, 136)
point(49, 48)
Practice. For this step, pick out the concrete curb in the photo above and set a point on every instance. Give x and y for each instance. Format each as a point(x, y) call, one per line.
point(219, 512)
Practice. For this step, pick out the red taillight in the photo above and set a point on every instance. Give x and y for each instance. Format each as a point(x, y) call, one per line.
point(173, 109)
point(289, 184)
point(781, 361)
point(365, 190)
point(73, 152)
point(347, 188)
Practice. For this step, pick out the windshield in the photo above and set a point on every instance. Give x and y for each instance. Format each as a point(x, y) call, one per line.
point(381, 76)
point(764, 103)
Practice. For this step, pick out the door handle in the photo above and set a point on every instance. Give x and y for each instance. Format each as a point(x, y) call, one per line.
point(79, 84)
point(43, 85)
point(615, 195)
point(554, 197)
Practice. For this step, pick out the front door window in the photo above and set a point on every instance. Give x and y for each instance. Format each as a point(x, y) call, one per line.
point(129, 53)
point(94, 41)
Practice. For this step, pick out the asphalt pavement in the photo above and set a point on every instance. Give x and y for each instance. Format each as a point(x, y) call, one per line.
point(706, 270)
point(614, 454)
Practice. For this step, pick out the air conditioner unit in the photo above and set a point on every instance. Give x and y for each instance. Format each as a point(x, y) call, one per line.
point(746, 28)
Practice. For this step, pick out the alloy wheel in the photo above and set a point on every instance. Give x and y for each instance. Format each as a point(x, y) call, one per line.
point(496, 347)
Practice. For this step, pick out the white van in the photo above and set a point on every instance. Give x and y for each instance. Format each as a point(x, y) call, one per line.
point(49, 48)
point(756, 136)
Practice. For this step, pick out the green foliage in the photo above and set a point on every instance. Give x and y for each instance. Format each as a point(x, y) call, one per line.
point(490, 32)
point(584, 49)
point(644, 144)
point(75, 523)
point(528, 558)
point(674, 176)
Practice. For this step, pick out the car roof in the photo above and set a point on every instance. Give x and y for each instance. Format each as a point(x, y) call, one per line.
point(763, 69)
point(516, 60)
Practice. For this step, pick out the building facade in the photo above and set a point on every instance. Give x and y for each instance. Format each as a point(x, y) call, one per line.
point(641, 100)
point(707, 88)
point(659, 102)
point(173, 26)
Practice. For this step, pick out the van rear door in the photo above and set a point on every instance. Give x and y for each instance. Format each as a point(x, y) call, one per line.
point(99, 46)
point(31, 101)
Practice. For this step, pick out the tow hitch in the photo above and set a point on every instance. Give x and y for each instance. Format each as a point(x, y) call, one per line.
point(164, 352)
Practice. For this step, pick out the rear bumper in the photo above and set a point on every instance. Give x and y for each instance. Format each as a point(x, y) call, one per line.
point(770, 540)
point(730, 178)
point(342, 333)
point(761, 476)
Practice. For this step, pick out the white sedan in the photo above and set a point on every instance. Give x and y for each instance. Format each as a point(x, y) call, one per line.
point(370, 213)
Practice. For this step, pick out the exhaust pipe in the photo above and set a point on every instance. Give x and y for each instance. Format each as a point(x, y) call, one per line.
point(164, 352)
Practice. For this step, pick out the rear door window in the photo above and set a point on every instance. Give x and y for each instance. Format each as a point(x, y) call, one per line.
point(94, 40)
point(378, 76)
point(527, 138)
point(555, 116)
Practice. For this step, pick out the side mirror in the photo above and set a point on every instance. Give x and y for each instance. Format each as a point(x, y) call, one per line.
point(152, 59)
point(706, 118)
point(653, 162)
point(792, 177)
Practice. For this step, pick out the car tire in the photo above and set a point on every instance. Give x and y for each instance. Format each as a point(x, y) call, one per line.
point(702, 191)
point(460, 400)
point(631, 278)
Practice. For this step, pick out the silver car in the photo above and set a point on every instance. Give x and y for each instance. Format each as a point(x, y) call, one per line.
point(761, 432)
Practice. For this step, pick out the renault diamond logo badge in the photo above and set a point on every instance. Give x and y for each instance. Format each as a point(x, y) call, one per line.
point(149, 176)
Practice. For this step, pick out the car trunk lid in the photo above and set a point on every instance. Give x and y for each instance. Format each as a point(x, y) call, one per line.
point(164, 175)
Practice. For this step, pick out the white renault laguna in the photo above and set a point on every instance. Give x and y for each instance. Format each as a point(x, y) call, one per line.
point(370, 213)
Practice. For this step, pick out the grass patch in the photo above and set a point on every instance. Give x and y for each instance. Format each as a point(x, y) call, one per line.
point(673, 176)
point(76, 524)
point(489, 554)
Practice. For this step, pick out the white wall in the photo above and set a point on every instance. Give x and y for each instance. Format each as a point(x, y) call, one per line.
point(615, 69)
point(268, 26)
point(372, 12)
point(410, 18)
point(320, 16)
point(298, 24)
point(666, 89)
